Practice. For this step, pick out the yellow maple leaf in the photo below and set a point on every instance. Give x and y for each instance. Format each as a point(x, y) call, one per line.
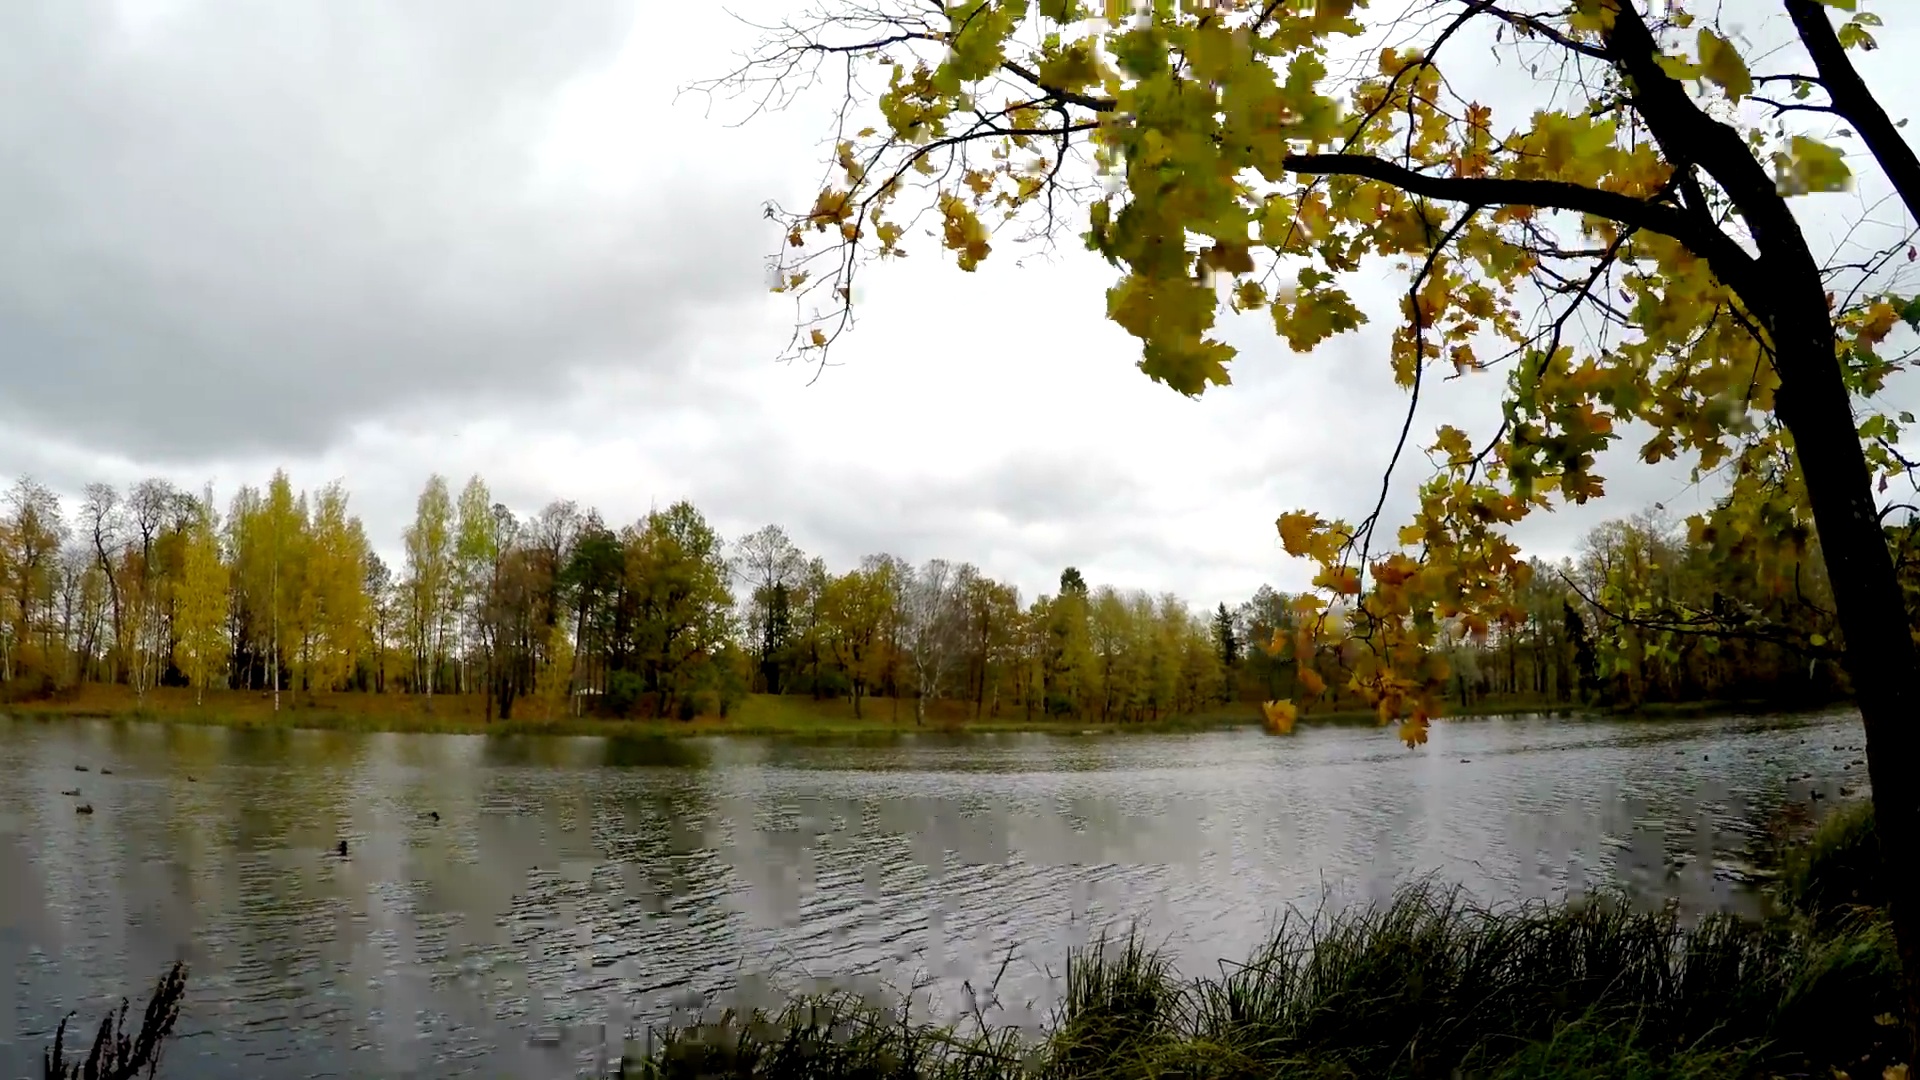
point(1721, 63)
point(1296, 532)
point(1280, 716)
point(1413, 730)
point(1311, 682)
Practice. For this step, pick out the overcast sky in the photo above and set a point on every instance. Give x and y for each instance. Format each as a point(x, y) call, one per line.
point(370, 240)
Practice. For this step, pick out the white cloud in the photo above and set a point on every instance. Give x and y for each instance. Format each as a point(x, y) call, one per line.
point(493, 238)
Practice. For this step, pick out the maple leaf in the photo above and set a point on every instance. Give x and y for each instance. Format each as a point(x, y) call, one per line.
point(1311, 682)
point(1722, 64)
point(1413, 730)
point(1280, 716)
point(1297, 530)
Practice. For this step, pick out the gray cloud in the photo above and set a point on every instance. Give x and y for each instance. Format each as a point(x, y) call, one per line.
point(244, 227)
point(337, 235)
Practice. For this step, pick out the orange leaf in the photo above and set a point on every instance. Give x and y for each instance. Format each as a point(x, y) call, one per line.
point(1413, 731)
point(1296, 530)
point(1280, 716)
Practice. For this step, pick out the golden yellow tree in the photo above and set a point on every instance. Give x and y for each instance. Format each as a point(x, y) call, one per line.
point(204, 600)
point(333, 606)
point(284, 534)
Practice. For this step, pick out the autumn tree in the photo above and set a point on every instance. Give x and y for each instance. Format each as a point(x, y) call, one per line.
point(429, 584)
point(282, 535)
point(987, 610)
point(476, 551)
point(1639, 248)
point(1070, 676)
point(808, 613)
point(855, 606)
point(144, 515)
point(931, 607)
point(594, 572)
point(1226, 638)
point(100, 522)
point(34, 531)
point(768, 567)
point(332, 609)
point(676, 614)
point(506, 579)
point(200, 646)
point(382, 617)
point(900, 578)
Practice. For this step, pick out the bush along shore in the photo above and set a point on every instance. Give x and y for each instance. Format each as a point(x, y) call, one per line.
point(1425, 985)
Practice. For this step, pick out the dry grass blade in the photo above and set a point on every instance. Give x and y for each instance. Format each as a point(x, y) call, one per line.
point(116, 1054)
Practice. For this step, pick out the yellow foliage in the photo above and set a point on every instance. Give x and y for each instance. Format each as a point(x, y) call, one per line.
point(1311, 682)
point(1296, 532)
point(1227, 149)
point(1413, 730)
point(1280, 716)
point(1722, 64)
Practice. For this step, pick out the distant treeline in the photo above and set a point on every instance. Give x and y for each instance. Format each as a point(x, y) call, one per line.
point(282, 593)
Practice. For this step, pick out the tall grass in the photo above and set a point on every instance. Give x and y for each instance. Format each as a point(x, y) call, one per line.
point(1425, 985)
point(1834, 874)
point(116, 1052)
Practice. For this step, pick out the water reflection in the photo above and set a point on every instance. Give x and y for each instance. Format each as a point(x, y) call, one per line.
point(507, 904)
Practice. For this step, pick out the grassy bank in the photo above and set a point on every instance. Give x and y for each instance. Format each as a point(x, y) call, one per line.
point(1421, 987)
point(1424, 986)
point(757, 714)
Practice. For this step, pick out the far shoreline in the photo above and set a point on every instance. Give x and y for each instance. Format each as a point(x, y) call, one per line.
point(760, 716)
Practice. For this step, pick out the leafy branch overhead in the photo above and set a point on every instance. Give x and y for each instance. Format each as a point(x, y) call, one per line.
point(1629, 259)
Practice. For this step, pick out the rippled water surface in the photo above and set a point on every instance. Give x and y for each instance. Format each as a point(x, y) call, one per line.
point(571, 890)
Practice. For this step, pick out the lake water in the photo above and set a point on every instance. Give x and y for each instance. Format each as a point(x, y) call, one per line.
point(572, 890)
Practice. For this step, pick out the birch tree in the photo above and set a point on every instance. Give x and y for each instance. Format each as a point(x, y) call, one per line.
point(200, 648)
point(334, 603)
point(101, 519)
point(768, 566)
point(429, 582)
point(930, 630)
point(148, 505)
point(476, 552)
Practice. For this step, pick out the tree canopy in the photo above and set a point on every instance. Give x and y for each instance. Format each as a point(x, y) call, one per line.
point(1630, 248)
point(1601, 254)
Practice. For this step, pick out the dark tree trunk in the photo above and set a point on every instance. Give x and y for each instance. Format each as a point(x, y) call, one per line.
point(1879, 654)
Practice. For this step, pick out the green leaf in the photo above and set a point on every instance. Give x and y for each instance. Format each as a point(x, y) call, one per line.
point(1722, 64)
point(1809, 166)
point(1816, 640)
point(1853, 34)
point(1910, 314)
